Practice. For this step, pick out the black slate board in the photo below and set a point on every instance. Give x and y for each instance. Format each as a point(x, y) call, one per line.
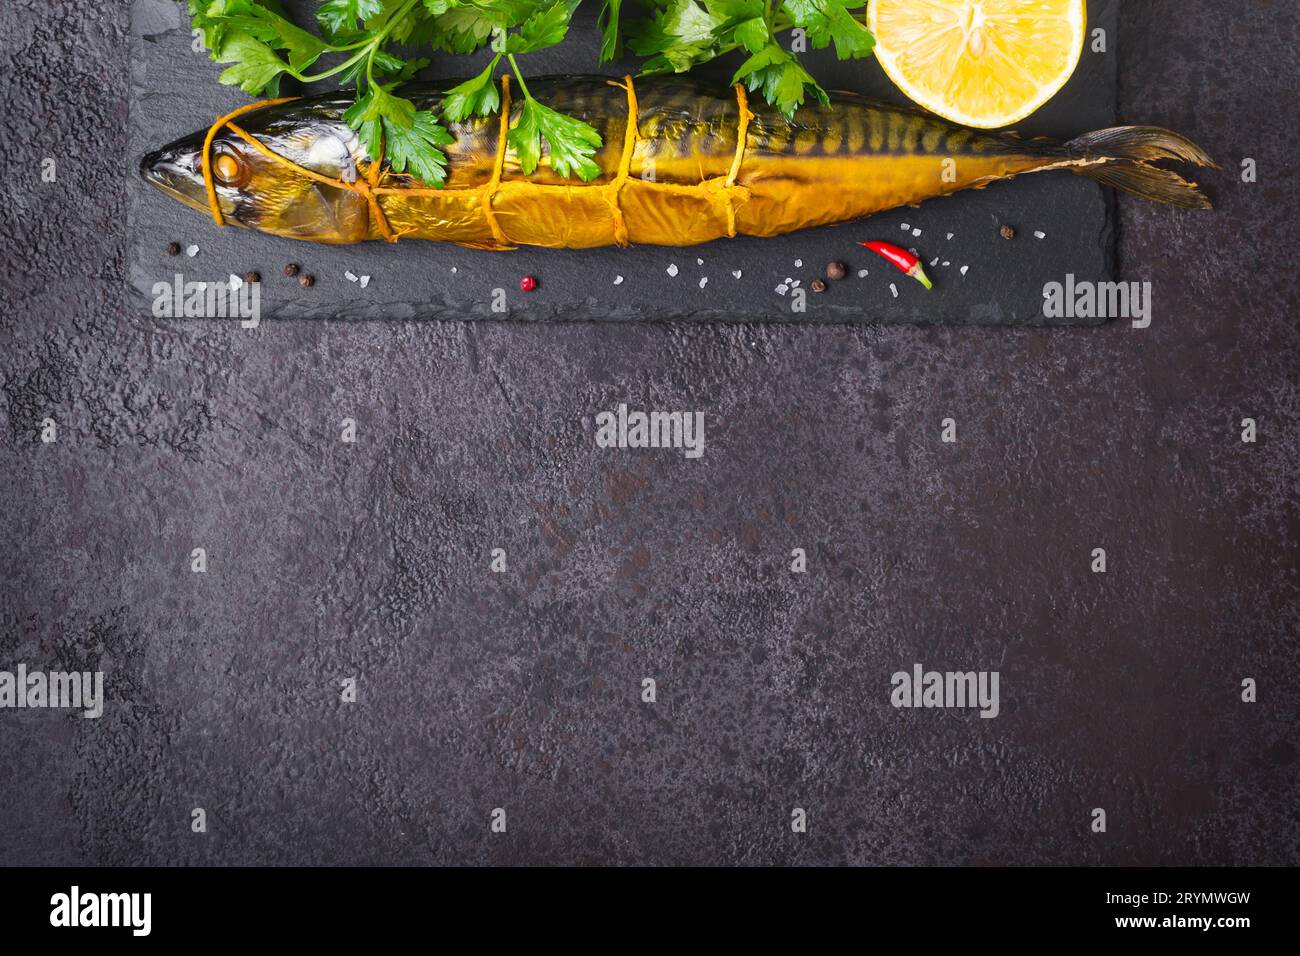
point(174, 92)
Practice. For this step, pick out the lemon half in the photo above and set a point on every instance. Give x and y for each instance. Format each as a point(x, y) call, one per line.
point(981, 63)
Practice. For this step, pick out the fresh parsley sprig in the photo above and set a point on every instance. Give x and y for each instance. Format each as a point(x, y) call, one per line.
point(682, 34)
point(262, 47)
point(360, 38)
point(571, 142)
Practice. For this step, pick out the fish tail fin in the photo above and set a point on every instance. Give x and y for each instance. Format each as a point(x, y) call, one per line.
point(1122, 158)
point(1144, 143)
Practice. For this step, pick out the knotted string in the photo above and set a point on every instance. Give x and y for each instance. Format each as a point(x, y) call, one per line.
point(370, 189)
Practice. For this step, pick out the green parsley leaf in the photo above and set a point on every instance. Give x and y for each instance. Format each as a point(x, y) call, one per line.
point(827, 21)
point(680, 36)
point(570, 142)
point(364, 117)
point(462, 29)
point(781, 78)
point(411, 139)
point(769, 55)
point(368, 113)
point(387, 63)
point(544, 28)
point(342, 16)
point(400, 29)
point(256, 65)
point(611, 38)
point(511, 13)
point(734, 11)
point(416, 149)
point(753, 34)
point(737, 9)
point(478, 96)
point(223, 21)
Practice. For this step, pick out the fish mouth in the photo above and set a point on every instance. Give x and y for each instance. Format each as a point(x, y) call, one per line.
point(177, 171)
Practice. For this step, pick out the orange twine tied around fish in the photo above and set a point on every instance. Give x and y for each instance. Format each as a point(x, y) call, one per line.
point(208, 184)
point(370, 189)
point(367, 188)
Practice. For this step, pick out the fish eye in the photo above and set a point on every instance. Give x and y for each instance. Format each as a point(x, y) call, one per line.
point(229, 168)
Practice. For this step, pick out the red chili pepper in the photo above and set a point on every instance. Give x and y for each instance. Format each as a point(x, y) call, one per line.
point(904, 260)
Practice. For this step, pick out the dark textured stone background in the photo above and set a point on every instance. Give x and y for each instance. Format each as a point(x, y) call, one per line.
point(520, 690)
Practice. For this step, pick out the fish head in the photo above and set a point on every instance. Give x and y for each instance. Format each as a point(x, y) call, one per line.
point(266, 186)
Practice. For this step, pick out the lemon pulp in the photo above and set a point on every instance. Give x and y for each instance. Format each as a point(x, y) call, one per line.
point(981, 63)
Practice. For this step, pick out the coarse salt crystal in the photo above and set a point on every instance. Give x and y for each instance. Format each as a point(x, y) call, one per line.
point(934, 261)
point(365, 281)
point(950, 235)
point(618, 280)
point(798, 263)
point(782, 289)
point(736, 273)
point(905, 227)
point(235, 281)
point(894, 289)
point(946, 263)
point(916, 232)
point(704, 280)
point(192, 251)
point(965, 269)
point(862, 273)
point(672, 268)
point(350, 276)
point(1040, 235)
point(699, 262)
point(794, 283)
point(453, 270)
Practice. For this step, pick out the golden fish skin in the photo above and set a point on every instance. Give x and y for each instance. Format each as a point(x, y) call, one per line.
point(701, 164)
